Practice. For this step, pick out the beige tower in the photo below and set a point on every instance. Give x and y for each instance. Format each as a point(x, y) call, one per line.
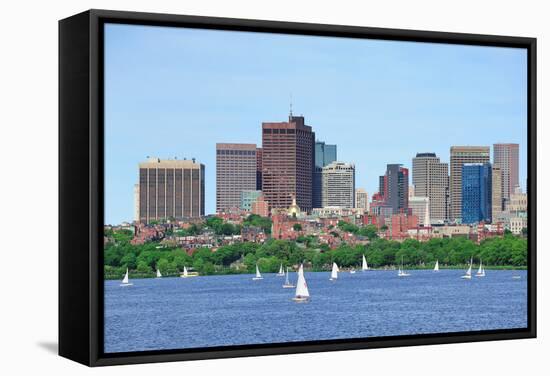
point(497, 202)
point(430, 179)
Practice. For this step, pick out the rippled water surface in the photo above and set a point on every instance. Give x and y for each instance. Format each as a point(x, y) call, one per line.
point(176, 313)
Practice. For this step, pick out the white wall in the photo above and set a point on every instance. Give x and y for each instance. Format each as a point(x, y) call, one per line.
point(28, 266)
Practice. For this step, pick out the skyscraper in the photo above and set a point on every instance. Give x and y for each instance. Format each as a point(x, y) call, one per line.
point(236, 168)
point(288, 150)
point(259, 169)
point(459, 156)
point(170, 189)
point(361, 199)
point(324, 155)
point(476, 192)
point(496, 200)
point(394, 187)
point(430, 179)
point(507, 157)
point(339, 185)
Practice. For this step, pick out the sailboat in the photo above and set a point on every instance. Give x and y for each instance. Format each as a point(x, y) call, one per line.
point(187, 274)
point(302, 293)
point(125, 281)
point(287, 284)
point(401, 272)
point(334, 273)
point(352, 271)
point(481, 270)
point(258, 275)
point(281, 272)
point(159, 275)
point(468, 274)
point(364, 266)
point(436, 267)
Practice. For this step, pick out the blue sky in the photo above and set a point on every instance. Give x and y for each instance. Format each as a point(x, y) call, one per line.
point(176, 92)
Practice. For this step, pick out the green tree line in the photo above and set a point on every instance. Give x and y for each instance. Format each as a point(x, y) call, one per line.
point(143, 260)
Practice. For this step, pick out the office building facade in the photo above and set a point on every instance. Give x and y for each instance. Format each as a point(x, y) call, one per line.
point(236, 171)
point(259, 169)
point(394, 188)
point(430, 178)
point(170, 189)
point(507, 157)
point(339, 185)
point(459, 156)
point(476, 193)
point(361, 199)
point(420, 207)
point(324, 155)
point(288, 153)
point(497, 202)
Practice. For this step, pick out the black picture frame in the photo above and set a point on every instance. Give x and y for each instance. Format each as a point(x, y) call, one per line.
point(81, 185)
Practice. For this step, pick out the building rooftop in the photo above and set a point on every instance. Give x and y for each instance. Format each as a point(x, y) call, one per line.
point(154, 162)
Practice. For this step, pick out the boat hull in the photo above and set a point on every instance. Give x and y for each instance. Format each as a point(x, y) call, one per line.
point(288, 286)
point(257, 278)
point(126, 284)
point(301, 299)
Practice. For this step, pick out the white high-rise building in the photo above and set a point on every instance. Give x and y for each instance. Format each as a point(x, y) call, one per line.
point(420, 207)
point(338, 185)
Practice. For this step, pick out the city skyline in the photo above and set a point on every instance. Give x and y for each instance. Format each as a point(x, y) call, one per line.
point(411, 113)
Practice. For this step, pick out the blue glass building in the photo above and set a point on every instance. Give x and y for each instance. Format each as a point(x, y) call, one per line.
point(325, 154)
point(476, 192)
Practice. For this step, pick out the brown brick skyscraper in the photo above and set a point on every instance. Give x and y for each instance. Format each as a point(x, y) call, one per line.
point(288, 159)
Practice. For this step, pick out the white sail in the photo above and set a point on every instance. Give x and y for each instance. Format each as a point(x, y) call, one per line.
point(436, 267)
point(469, 271)
point(258, 275)
point(158, 273)
point(401, 272)
point(301, 286)
point(185, 274)
point(281, 271)
point(334, 273)
point(287, 281)
point(364, 266)
point(125, 279)
point(481, 270)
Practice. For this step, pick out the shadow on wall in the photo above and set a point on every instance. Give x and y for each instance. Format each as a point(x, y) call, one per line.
point(50, 347)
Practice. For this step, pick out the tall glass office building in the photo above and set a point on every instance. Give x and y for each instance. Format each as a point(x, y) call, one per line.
point(476, 192)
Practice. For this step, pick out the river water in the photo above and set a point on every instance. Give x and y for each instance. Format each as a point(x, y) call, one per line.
point(178, 313)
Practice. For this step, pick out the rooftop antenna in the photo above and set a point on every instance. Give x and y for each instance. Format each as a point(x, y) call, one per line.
point(291, 105)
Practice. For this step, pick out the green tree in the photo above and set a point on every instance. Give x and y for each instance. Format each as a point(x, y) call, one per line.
point(370, 231)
